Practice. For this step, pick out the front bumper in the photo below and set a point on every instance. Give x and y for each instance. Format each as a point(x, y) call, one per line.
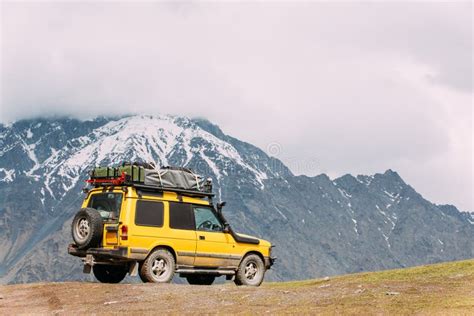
point(269, 261)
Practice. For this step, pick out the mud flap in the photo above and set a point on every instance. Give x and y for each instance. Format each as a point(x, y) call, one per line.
point(133, 269)
point(87, 269)
point(88, 263)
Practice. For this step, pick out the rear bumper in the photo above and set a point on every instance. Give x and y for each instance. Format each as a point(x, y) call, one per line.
point(113, 253)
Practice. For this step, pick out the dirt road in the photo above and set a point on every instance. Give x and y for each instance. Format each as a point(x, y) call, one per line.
point(436, 289)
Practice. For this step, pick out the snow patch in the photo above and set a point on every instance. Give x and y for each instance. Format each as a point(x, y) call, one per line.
point(344, 193)
point(355, 226)
point(282, 215)
point(42, 198)
point(211, 165)
point(386, 216)
point(30, 152)
point(385, 237)
point(9, 175)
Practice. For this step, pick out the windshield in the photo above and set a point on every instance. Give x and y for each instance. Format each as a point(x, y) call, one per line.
point(108, 204)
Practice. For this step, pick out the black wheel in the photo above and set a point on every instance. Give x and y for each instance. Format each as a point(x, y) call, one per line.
point(87, 228)
point(251, 271)
point(200, 279)
point(106, 273)
point(158, 267)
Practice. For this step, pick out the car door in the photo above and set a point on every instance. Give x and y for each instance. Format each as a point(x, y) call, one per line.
point(109, 206)
point(182, 232)
point(214, 247)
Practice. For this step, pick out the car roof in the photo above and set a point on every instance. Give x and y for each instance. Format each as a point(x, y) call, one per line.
point(162, 194)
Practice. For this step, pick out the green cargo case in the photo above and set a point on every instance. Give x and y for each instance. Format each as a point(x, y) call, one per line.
point(104, 172)
point(134, 173)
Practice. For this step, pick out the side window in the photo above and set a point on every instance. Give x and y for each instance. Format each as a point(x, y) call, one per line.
point(181, 216)
point(149, 213)
point(206, 220)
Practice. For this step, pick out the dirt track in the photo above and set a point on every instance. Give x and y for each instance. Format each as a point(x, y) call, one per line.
point(437, 289)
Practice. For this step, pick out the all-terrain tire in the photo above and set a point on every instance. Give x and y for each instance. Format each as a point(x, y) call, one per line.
point(251, 271)
point(87, 228)
point(106, 273)
point(200, 279)
point(142, 277)
point(158, 267)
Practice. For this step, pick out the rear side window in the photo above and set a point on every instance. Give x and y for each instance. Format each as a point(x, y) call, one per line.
point(181, 216)
point(149, 213)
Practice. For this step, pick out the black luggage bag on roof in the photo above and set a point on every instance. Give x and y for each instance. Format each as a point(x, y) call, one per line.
point(146, 173)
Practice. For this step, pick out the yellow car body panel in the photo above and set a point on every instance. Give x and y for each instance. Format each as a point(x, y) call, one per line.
point(191, 248)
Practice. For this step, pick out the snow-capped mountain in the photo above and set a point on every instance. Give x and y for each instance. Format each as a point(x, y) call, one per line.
point(163, 139)
point(320, 226)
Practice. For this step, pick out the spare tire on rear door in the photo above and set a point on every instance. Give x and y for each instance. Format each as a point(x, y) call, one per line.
point(87, 228)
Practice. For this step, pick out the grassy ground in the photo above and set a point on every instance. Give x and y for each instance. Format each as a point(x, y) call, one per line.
point(440, 289)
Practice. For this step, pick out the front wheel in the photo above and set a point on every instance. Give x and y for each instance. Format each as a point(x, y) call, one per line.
point(251, 271)
point(106, 273)
point(158, 267)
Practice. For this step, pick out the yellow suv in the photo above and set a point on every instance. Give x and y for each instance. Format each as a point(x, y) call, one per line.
point(159, 233)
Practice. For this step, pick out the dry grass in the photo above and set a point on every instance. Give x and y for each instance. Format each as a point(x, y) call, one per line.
point(439, 289)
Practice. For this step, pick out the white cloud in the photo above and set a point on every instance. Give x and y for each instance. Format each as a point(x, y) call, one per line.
point(360, 87)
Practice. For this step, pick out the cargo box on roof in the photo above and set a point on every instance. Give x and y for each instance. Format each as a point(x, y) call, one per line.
point(165, 177)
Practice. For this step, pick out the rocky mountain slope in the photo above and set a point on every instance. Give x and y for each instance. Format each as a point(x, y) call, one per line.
point(320, 226)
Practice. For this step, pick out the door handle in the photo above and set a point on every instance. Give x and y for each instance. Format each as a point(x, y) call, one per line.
point(202, 237)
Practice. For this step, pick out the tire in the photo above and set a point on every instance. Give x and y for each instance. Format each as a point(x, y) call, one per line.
point(200, 279)
point(86, 228)
point(106, 273)
point(158, 267)
point(142, 277)
point(251, 271)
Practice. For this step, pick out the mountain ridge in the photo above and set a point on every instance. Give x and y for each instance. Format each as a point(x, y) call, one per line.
point(346, 224)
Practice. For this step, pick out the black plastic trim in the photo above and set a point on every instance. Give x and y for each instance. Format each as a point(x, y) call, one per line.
point(119, 253)
point(243, 239)
point(237, 237)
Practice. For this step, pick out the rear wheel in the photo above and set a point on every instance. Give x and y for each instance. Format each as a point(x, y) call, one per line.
point(158, 267)
point(142, 277)
point(87, 228)
point(251, 271)
point(200, 279)
point(106, 273)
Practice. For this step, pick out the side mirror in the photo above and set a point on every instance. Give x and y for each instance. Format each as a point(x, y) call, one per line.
point(220, 206)
point(226, 229)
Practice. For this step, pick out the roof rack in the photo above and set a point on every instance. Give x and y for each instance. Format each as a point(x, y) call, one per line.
point(171, 189)
point(122, 181)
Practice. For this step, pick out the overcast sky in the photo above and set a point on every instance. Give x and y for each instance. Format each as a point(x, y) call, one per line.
point(337, 88)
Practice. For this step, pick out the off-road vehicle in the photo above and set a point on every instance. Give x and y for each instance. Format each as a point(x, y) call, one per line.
point(128, 226)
